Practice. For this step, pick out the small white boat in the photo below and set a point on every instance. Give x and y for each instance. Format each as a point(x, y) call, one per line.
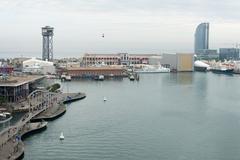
point(104, 99)
point(68, 78)
point(61, 136)
point(101, 77)
point(131, 77)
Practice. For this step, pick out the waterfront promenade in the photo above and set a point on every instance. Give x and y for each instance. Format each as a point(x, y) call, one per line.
point(37, 102)
point(11, 137)
point(39, 105)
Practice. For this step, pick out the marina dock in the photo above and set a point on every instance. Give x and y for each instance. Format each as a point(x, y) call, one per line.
point(72, 97)
point(31, 128)
point(51, 113)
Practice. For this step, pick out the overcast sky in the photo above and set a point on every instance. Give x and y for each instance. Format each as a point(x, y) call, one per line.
point(133, 26)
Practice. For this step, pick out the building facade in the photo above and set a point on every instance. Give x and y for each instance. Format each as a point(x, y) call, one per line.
point(185, 62)
point(97, 59)
point(95, 71)
point(36, 66)
point(201, 38)
point(116, 59)
point(179, 62)
point(17, 88)
point(229, 54)
point(208, 54)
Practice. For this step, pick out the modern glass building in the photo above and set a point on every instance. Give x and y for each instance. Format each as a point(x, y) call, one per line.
point(201, 38)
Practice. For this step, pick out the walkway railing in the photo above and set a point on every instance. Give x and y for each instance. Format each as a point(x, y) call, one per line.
point(38, 101)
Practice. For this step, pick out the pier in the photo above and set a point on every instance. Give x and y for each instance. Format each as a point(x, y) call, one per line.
point(72, 97)
point(10, 142)
point(40, 105)
point(51, 113)
point(33, 127)
point(37, 106)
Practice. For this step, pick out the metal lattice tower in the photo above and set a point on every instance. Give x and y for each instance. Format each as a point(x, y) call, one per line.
point(47, 50)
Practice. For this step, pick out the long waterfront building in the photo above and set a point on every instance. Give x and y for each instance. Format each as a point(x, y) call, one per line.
point(84, 72)
point(117, 59)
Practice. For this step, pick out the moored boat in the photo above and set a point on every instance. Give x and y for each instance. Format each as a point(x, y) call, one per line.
point(200, 66)
point(131, 77)
point(222, 70)
point(222, 67)
point(66, 77)
point(152, 69)
point(236, 69)
point(99, 77)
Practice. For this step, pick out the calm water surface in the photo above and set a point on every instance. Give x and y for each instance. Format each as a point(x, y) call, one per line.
point(185, 116)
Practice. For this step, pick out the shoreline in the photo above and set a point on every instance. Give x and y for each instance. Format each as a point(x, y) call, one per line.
point(13, 148)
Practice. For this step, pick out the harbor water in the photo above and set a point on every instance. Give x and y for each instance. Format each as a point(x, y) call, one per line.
point(183, 116)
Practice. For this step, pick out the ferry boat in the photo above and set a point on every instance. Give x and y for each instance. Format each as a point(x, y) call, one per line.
point(152, 69)
point(222, 69)
point(200, 66)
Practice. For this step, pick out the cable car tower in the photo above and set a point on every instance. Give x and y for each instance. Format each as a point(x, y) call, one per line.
point(47, 50)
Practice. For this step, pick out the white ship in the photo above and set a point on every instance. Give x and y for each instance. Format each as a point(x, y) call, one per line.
point(201, 66)
point(152, 69)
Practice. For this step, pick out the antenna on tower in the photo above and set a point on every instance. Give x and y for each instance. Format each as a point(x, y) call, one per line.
point(47, 50)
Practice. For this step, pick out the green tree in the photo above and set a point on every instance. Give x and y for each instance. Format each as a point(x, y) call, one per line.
point(54, 87)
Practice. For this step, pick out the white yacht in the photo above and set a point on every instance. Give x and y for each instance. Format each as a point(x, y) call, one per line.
point(201, 66)
point(152, 69)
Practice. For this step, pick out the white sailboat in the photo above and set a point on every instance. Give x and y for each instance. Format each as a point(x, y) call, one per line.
point(61, 136)
point(104, 99)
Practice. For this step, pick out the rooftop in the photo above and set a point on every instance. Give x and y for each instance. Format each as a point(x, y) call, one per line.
point(14, 81)
point(118, 54)
point(95, 68)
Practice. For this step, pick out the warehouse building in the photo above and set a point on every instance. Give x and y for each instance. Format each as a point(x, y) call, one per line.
point(179, 62)
point(36, 66)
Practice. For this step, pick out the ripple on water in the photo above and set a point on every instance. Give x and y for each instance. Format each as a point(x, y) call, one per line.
point(164, 116)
